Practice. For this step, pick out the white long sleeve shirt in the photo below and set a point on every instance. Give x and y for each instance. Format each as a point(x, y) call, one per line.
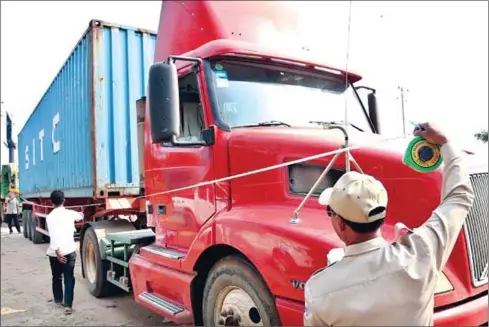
point(61, 227)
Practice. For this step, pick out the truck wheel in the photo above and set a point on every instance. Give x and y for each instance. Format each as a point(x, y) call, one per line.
point(236, 295)
point(95, 270)
point(37, 238)
point(28, 223)
point(24, 224)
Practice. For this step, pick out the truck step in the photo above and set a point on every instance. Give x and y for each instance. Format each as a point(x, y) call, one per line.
point(160, 303)
point(164, 252)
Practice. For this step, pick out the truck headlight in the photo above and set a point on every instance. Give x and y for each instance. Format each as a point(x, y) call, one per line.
point(443, 284)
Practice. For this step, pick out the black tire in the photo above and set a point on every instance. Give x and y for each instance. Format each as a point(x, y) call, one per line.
point(29, 224)
point(235, 271)
point(37, 238)
point(32, 226)
point(24, 224)
point(100, 287)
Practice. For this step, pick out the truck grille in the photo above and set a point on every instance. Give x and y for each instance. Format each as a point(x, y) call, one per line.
point(476, 230)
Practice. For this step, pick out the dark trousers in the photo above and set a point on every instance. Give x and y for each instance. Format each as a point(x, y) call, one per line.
point(12, 217)
point(67, 270)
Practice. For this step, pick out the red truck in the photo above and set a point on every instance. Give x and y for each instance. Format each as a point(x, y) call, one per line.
point(199, 247)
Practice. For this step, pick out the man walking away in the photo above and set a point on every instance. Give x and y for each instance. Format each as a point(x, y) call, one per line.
point(12, 212)
point(62, 249)
point(382, 284)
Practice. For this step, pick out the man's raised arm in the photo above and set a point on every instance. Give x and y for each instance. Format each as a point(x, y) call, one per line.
point(441, 230)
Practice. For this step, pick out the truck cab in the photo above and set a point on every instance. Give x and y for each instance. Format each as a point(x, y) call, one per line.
point(228, 122)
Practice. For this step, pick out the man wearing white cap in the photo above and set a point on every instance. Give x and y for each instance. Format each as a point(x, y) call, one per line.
point(377, 283)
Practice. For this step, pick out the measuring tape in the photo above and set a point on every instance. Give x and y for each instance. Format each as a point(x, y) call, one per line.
point(244, 174)
point(422, 155)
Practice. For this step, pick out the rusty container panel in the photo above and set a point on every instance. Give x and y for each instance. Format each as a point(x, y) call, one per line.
point(82, 137)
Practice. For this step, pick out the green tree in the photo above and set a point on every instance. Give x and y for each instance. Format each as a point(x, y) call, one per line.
point(481, 136)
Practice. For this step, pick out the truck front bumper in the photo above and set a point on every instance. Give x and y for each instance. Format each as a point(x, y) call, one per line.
point(472, 313)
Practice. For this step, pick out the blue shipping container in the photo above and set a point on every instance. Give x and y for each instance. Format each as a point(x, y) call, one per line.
point(82, 136)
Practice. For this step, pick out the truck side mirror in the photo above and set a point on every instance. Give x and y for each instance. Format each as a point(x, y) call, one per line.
point(163, 97)
point(372, 111)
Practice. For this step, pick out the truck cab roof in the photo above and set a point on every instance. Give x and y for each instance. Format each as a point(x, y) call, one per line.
point(207, 29)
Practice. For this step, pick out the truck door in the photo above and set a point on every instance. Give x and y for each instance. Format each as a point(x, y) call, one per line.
point(188, 165)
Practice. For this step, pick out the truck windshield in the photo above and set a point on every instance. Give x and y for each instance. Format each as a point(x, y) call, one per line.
point(250, 94)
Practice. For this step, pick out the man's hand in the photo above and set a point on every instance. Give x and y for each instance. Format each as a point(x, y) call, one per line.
point(61, 258)
point(431, 133)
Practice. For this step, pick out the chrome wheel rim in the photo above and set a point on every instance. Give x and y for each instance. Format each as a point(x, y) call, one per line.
point(234, 307)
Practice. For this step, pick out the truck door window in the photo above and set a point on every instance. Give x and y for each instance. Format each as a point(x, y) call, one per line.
point(191, 114)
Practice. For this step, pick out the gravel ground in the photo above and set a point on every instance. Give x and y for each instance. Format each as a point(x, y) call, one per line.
point(26, 293)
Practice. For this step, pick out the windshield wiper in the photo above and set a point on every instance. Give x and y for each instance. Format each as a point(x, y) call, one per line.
point(265, 123)
point(337, 122)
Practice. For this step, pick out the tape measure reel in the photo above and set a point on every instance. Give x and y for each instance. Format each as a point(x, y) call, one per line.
point(422, 156)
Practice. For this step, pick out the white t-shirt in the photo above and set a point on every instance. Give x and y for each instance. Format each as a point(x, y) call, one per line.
point(61, 227)
point(12, 206)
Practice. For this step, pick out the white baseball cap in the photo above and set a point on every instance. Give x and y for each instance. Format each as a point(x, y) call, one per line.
point(356, 197)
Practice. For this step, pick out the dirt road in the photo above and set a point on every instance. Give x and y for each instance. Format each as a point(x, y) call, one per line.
point(26, 292)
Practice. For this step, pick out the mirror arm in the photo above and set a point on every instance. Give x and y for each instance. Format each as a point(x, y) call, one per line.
point(365, 112)
point(207, 135)
point(183, 58)
point(197, 62)
point(174, 141)
point(365, 88)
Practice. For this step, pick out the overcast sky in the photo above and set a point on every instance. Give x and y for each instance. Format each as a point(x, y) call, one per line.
point(437, 50)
